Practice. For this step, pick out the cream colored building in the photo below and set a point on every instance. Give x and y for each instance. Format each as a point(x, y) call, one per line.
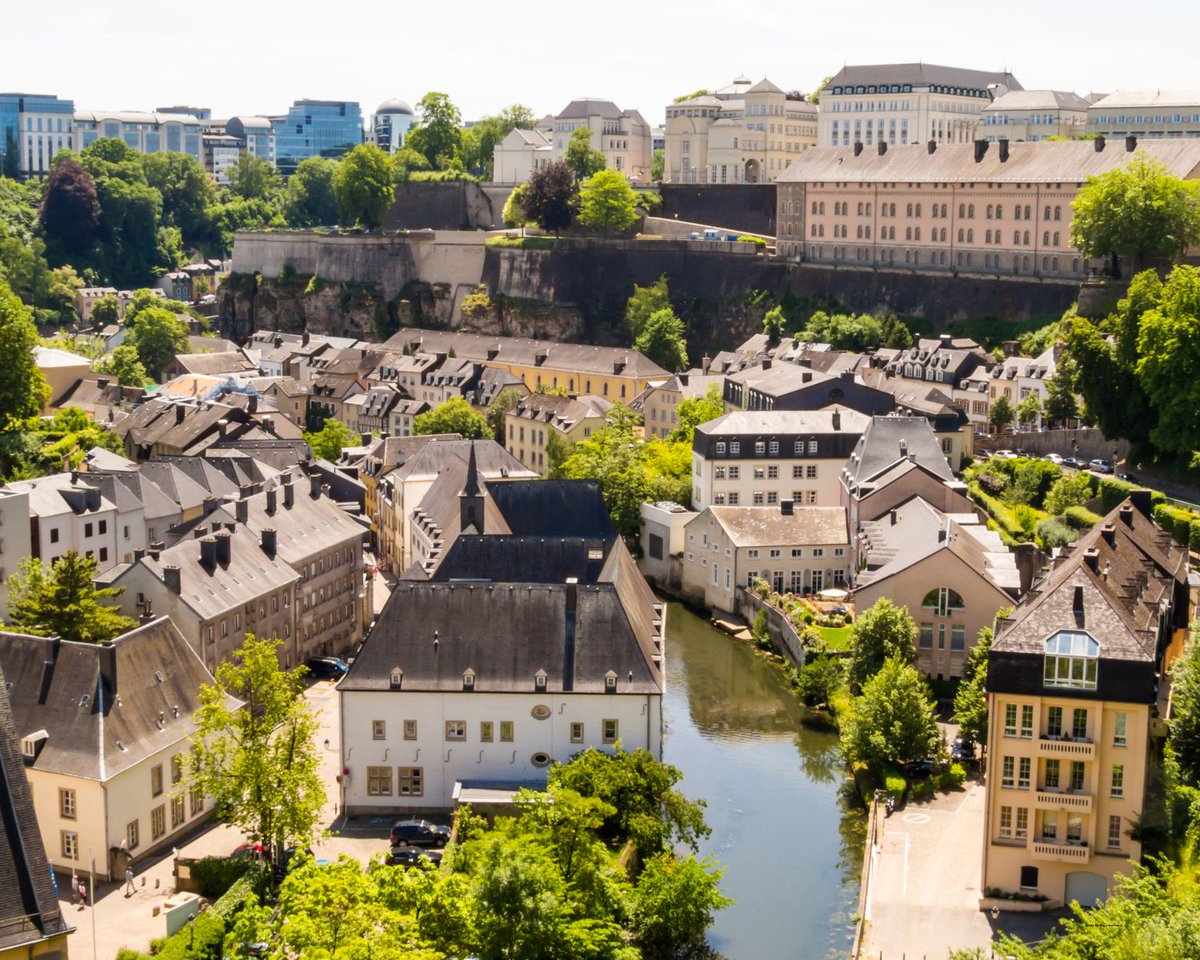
point(906, 103)
point(742, 134)
point(1018, 377)
point(1034, 115)
point(753, 458)
point(951, 572)
point(520, 155)
point(985, 208)
point(529, 425)
point(796, 549)
point(1146, 114)
point(623, 136)
point(15, 538)
point(1073, 707)
point(660, 403)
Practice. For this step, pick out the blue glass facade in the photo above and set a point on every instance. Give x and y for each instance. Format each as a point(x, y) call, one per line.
point(33, 127)
point(316, 128)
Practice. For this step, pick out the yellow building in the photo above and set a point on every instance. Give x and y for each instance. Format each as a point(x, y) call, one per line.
point(530, 424)
point(1073, 703)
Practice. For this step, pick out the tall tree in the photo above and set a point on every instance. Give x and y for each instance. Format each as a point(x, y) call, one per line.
point(882, 632)
point(70, 210)
point(1061, 404)
point(513, 214)
point(673, 906)
point(658, 164)
point(362, 185)
point(645, 302)
point(1001, 413)
point(257, 759)
point(63, 601)
point(1029, 409)
point(581, 158)
point(970, 699)
point(105, 312)
point(893, 721)
point(606, 203)
point(1138, 210)
point(550, 197)
point(1168, 346)
point(252, 178)
point(437, 134)
point(453, 416)
point(328, 442)
point(123, 363)
point(1184, 724)
point(508, 398)
point(157, 335)
point(309, 200)
point(693, 411)
point(186, 190)
point(662, 341)
point(774, 324)
point(23, 389)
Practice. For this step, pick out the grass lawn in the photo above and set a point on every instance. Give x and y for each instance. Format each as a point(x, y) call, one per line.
point(836, 638)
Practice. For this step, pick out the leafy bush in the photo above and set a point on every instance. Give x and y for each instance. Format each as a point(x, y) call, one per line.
point(1183, 525)
point(953, 777)
point(1032, 481)
point(757, 241)
point(522, 243)
point(315, 285)
point(922, 789)
point(894, 783)
point(477, 303)
point(1052, 532)
point(215, 875)
point(1027, 517)
point(1072, 490)
point(1081, 518)
point(762, 636)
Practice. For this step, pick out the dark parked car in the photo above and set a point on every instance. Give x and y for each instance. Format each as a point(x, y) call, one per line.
point(411, 856)
point(1072, 462)
point(419, 833)
point(962, 751)
point(326, 668)
point(918, 769)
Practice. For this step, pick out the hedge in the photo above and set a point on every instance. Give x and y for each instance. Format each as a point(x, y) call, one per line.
point(1081, 518)
point(1112, 491)
point(1182, 524)
point(215, 875)
point(1005, 516)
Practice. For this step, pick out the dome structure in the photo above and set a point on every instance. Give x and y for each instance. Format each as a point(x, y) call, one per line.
point(395, 105)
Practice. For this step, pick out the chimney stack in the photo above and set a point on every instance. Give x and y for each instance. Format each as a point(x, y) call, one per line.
point(223, 547)
point(289, 492)
point(1109, 533)
point(893, 515)
point(172, 579)
point(1126, 514)
point(857, 147)
point(304, 338)
point(268, 542)
point(1091, 556)
point(179, 413)
point(241, 510)
point(1003, 149)
point(705, 364)
point(208, 554)
point(882, 147)
point(1098, 143)
point(931, 146)
point(155, 548)
point(981, 148)
point(271, 497)
point(314, 481)
point(108, 667)
point(1130, 143)
point(252, 403)
point(101, 382)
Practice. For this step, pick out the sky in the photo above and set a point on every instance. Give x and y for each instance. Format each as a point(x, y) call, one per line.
point(256, 57)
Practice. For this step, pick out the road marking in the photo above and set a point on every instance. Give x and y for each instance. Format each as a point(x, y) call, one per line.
point(916, 818)
point(906, 841)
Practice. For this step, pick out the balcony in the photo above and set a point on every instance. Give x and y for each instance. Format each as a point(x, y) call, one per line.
point(1062, 747)
point(1060, 851)
point(1049, 799)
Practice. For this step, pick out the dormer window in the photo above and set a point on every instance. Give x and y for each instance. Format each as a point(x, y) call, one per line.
point(610, 682)
point(397, 678)
point(469, 679)
point(1072, 660)
point(539, 680)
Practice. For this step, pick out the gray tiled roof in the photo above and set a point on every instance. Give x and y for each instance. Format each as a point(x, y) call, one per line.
point(919, 74)
point(889, 440)
point(1037, 100)
point(768, 526)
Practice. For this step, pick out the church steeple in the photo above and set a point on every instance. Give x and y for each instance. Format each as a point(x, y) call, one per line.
point(470, 500)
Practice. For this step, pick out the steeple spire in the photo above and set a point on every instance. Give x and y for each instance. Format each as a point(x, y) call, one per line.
point(470, 500)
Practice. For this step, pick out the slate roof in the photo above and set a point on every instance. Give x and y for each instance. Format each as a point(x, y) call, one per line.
point(544, 508)
point(1037, 100)
point(104, 707)
point(91, 393)
point(587, 107)
point(784, 422)
point(562, 413)
point(918, 74)
point(309, 526)
point(769, 526)
point(29, 910)
point(212, 364)
point(889, 440)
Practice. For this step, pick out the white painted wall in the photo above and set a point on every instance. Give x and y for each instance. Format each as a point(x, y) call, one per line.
point(706, 485)
point(15, 540)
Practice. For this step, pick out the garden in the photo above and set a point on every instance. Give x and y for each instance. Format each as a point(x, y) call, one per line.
point(822, 624)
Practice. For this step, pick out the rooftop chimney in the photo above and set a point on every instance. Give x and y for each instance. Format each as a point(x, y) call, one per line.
point(179, 413)
point(138, 554)
point(1130, 143)
point(304, 338)
point(837, 419)
point(268, 542)
point(766, 364)
point(223, 547)
point(1098, 143)
point(1003, 144)
point(314, 481)
point(903, 447)
point(101, 382)
point(172, 579)
point(1109, 533)
point(208, 553)
point(241, 511)
point(108, 667)
point(931, 146)
point(705, 363)
point(289, 493)
point(155, 548)
point(1091, 556)
point(981, 147)
point(252, 403)
point(857, 147)
point(786, 508)
point(200, 531)
point(893, 515)
point(882, 147)
point(271, 502)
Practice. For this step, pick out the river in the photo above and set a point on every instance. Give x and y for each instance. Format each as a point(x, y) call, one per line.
point(792, 851)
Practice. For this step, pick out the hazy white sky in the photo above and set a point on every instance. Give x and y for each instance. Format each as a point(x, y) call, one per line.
point(252, 56)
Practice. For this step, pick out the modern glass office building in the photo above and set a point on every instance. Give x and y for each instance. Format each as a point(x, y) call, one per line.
point(33, 128)
point(316, 128)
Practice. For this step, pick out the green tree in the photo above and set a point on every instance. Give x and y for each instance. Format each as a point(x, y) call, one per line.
point(1184, 722)
point(558, 451)
point(505, 400)
point(702, 92)
point(309, 199)
point(327, 443)
point(453, 416)
point(105, 312)
point(662, 341)
point(70, 210)
point(673, 906)
point(437, 134)
point(882, 632)
point(1137, 210)
point(186, 190)
point(820, 679)
point(362, 184)
point(843, 331)
point(514, 207)
point(583, 161)
point(694, 411)
point(658, 164)
point(896, 335)
point(157, 335)
point(257, 759)
point(774, 324)
point(1029, 409)
point(550, 197)
point(63, 601)
point(122, 363)
point(644, 302)
point(253, 178)
point(1168, 346)
point(23, 389)
point(815, 96)
point(893, 721)
point(606, 203)
point(1069, 490)
point(970, 699)
point(1060, 393)
point(1001, 413)
point(406, 162)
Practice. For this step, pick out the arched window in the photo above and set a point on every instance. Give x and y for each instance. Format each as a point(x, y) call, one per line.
point(1058, 213)
point(1045, 238)
point(970, 235)
point(942, 600)
point(1072, 660)
point(860, 208)
point(868, 233)
point(1057, 235)
point(868, 209)
point(893, 209)
point(908, 233)
point(1028, 215)
point(822, 207)
point(999, 211)
point(1017, 213)
point(910, 211)
point(813, 230)
point(1016, 238)
point(821, 230)
point(944, 209)
point(989, 211)
point(1054, 264)
point(1045, 264)
point(1025, 264)
point(962, 211)
point(1046, 213)
point(961, 234)
point(917, 234)
point(970, 211)
point(988, 237)
point(860, 233)
point(814, 207)
point(1025, 239)
point(918, 209)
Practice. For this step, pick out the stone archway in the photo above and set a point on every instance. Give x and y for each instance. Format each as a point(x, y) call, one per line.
point(752, 172)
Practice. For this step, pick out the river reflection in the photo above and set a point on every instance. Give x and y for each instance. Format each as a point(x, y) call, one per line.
point(791, 850)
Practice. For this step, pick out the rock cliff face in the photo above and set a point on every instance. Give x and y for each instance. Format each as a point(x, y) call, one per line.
point(369, 286)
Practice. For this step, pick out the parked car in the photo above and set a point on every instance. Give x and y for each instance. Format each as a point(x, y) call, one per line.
point(1004, 455)
point(1101, 466)
point(411, 856)
point(919, 769)
point(1053, 458)
point(962, 750)
point(1074, 462)
point(419, 833)
point(1128, 477)
point(326, 668)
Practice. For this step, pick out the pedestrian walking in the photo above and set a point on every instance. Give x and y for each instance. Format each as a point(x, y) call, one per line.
point(83, 894)
point(129, 889)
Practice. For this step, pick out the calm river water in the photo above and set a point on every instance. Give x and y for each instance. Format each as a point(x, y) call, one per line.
point(791, 850)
